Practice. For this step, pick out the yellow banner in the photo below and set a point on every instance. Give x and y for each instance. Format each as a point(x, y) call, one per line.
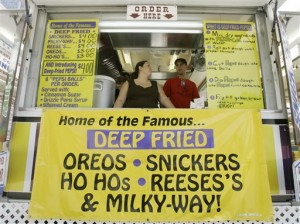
point(151, 165)
point(232, 65)
point(68, 66)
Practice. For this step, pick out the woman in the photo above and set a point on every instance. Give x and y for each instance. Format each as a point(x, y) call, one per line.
point(140, 92)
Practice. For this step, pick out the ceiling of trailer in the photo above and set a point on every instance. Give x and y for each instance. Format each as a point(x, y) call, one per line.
point(244, 3)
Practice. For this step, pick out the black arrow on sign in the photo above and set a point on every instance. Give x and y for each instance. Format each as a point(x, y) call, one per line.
point(168, 16)
point(134, 15)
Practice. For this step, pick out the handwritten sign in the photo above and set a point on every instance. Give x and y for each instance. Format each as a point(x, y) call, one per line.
point(232, 65)
point(151, 12)
point(68, 66)
point(151, 165)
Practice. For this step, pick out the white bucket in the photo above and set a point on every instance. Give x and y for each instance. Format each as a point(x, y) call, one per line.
point(104, 91)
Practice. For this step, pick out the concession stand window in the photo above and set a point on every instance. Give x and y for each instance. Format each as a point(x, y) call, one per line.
point(224, 48)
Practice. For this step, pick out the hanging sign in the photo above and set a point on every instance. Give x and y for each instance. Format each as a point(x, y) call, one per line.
point(151, 12)
point(68, 66)
point(232, 65)
point(151, 165)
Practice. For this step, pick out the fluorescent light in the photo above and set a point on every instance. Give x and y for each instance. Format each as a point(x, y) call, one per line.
point(127, 66)
point(151, 26)
point(158, 30)
point(127, 57)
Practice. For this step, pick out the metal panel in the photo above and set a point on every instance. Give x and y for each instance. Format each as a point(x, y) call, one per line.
point(11, 79)
point(244, 3)
point(265, 61)
point(36, 55)
point(28, 42)
point(145, 40)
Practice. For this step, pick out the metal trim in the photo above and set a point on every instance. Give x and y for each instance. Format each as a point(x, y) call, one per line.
point(36, 57)
point(122, 9)
point(265, 62)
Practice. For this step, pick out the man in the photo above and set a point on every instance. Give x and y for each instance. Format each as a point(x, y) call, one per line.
point(180, 89)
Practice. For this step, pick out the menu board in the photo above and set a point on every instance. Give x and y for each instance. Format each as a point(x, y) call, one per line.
point(68, 66)
point(232, 65)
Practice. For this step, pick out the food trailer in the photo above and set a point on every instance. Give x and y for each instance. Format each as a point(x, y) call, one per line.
point(72, 52)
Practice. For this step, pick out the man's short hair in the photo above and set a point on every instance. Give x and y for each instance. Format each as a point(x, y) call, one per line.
point(182, 60)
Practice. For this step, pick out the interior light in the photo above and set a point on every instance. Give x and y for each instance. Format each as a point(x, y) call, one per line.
point(127, 60)
point(126, 55)
point(157, 30)
point(151, 26)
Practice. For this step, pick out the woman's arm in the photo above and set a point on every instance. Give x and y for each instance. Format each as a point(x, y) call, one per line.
point(163, 99)
point(122, 95)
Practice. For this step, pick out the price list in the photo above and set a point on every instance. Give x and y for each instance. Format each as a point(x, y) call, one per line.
point(68, 66)
point(232, 66)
